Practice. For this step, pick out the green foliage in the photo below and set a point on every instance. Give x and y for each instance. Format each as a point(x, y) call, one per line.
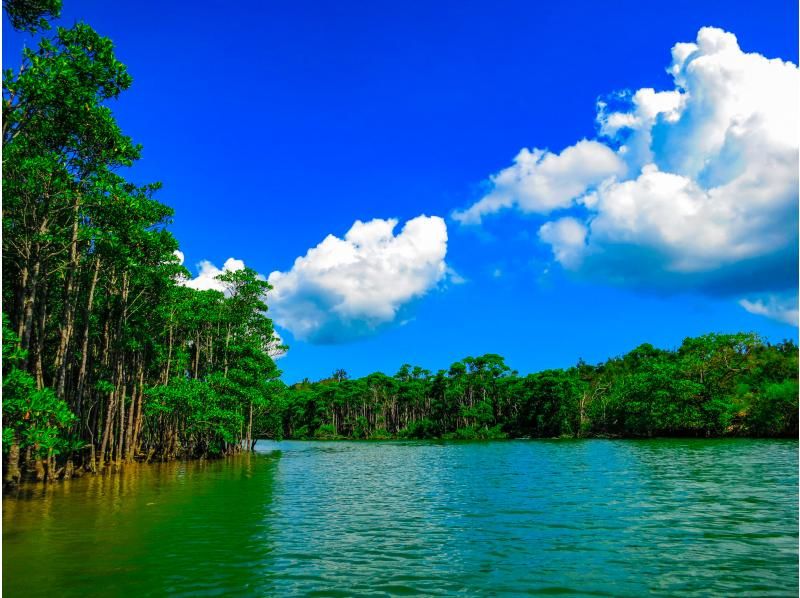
point(360, 427)
point(472, 433)
point(774, 408)
point(380, 434)
point(109, 349)
point(421, 429)
point(31, 15)
point(326, 432)
point(714, 385)
point(32, 417)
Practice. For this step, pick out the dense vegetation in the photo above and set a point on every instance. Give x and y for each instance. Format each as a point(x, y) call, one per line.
point(715, 385)
point(106, 356)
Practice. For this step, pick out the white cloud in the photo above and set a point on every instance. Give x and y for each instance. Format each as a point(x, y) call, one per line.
point(781, 308)
point(707, 196)
point(348, 288)
point(567, 236)
point(454, 277)
point(712, 193)
point(179, 254)
point(206, 278)
point(541, 181)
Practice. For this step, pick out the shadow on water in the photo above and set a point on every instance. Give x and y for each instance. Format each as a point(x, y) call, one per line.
point(183, 528)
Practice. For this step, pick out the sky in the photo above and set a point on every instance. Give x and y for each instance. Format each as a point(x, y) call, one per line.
point(425, 181)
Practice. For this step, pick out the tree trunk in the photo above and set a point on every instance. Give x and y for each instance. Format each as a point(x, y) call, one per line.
point(107, 428)
point(69, 306)
point(38, 467)
point(250, 427)
point(13, 473)
point(40, 337)
point(227, 341)
point(196, 355)
point(121, 423)
point(129, 434)
point(85, 342)
point(169, 358)
point(29, 300)
point(19, 306)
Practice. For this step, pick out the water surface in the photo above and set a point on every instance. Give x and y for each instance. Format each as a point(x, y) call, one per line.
point(578, 518)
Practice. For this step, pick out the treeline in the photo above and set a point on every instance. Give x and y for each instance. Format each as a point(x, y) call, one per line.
point(106, 356)
point(714, 385)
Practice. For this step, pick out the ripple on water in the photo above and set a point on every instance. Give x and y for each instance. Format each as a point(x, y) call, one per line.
point(591, 518)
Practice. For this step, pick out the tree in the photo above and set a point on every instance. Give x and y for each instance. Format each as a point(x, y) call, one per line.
point(107, 348)
point(31, 15)
point(715, 385)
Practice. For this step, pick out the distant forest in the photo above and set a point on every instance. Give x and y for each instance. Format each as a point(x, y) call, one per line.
point(714, 385)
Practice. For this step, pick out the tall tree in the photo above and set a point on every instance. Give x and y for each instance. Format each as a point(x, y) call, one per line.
point(110, 358)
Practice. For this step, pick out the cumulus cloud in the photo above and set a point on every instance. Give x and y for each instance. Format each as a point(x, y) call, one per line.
point(775, 307)
point(206, 278)
point(702, 189)
point(350, 287)
point(567, 236)
point(541, 181)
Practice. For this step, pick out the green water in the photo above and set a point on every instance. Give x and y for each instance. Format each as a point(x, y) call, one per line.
point(593, 517)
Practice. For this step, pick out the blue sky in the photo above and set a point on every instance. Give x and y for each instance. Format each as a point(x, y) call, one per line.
point(274, 125)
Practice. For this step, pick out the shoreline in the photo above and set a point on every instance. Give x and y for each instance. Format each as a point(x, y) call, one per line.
point(113, 469)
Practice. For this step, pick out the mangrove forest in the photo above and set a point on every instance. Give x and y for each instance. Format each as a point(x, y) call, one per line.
point(107, 356)
point(714, 385)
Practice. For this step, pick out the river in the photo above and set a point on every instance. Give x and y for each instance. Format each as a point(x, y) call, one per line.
point(565, 517)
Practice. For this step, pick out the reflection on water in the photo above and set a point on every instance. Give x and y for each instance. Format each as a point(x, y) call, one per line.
point(146, 530)
point(616, 518)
